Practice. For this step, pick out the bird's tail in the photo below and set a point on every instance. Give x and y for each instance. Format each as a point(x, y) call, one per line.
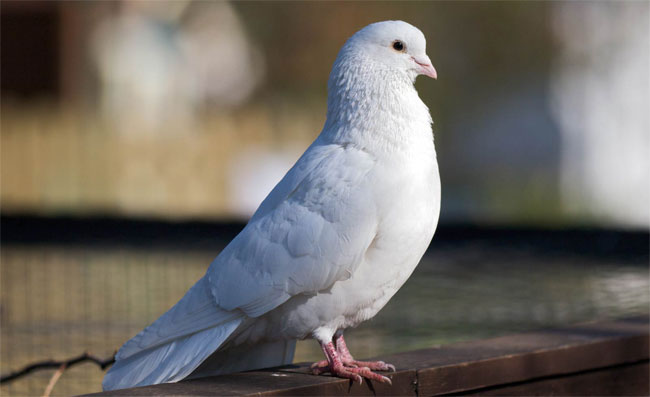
point(192, 359)
point(186, 341)
point(175, 344)
point(152, 366)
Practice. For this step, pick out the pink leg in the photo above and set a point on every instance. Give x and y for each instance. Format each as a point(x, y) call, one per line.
point(323, 365)
point(340, 363)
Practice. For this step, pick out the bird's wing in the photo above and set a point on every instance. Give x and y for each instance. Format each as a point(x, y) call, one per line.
point(311, 231)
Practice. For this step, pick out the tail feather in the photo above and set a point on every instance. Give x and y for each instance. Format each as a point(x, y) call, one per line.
point(195, 312)
point(170, 362)
point(185, 341)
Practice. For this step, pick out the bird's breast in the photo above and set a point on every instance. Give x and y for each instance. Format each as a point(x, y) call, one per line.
point(408, 198)
point(409, 202)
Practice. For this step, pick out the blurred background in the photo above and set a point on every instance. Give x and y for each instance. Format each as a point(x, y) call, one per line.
point(138, 136)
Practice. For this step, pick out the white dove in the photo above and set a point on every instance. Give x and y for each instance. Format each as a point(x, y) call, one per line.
point(329, 246)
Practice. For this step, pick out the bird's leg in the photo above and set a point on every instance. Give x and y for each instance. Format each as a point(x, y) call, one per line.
point(348, 368)
point(323, 366)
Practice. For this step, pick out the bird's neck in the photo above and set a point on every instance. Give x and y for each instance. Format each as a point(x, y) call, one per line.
point(373, 106)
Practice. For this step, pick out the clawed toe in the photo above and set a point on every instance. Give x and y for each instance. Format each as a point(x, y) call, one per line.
point(354, 372)
point(322, 363)
point(367, 373)
point(320, 367)
point(350, 372)
point(373, 365)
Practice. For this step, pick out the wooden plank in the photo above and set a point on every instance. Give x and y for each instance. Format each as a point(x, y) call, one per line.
point(479, 364)
point(625, 380)
point(291, 380)
point(462, 367)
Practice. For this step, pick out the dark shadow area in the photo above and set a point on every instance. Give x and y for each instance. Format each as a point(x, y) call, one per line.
point(595, 243)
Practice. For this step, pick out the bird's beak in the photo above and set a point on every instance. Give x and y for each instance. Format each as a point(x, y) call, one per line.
point(425, 67)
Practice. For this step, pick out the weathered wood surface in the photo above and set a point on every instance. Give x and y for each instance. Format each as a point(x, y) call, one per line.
point(605, 358)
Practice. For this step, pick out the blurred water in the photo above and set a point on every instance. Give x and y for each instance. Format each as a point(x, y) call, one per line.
point(58, 301)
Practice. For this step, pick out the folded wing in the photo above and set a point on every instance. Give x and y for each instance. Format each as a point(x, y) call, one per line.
point(305, 236)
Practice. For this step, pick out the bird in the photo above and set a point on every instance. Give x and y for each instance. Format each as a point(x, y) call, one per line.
point(329, 246)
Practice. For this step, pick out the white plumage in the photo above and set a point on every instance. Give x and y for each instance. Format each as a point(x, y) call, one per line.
point(329, 246)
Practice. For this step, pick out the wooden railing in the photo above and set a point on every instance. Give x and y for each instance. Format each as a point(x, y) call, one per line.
point(604, 358)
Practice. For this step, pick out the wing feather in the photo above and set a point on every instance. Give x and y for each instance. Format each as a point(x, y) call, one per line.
point(311, 231)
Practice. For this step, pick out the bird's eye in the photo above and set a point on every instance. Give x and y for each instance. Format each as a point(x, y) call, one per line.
point(398, 46)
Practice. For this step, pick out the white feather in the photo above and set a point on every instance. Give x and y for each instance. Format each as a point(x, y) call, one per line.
point(312, 237)
point(195, 312)
point(170, 362)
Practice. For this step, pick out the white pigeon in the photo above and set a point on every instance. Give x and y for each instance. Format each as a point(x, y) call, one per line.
point(329, 246)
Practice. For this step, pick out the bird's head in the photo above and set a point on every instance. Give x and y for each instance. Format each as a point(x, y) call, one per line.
point(394, 45)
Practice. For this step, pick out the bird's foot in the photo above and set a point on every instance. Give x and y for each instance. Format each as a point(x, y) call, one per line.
point(355, 370)
point(358, 373)
point(340, 363)
point(373, 365)
point(323, 366)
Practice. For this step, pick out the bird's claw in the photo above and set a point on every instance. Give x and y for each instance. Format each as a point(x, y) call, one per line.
point(319, 364)
point(355, 373)
point(372, 365)
point(320, 367)
point(323, 366)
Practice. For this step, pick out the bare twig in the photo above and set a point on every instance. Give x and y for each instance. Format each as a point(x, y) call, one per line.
point(48, 364)
point(55, 377)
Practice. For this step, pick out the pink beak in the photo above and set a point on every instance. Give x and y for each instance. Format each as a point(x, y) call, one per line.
point(425, 67)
